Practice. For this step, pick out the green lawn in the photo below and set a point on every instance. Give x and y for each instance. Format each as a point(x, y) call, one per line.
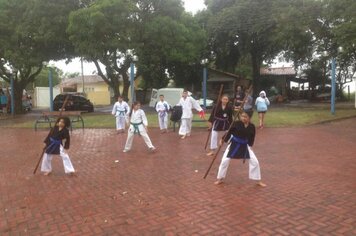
point(284, 117)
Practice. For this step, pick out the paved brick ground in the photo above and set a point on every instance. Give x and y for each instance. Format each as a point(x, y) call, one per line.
point(310, 174)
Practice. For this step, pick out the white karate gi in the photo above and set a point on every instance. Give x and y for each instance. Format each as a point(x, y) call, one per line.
point(138, 117)
point(215, 137)
point(187, 117)
point(162, 109)
point(254, 166)
point(47, 161)
point(120, 111)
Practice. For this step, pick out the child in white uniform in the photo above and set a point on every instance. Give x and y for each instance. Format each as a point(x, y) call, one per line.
point(120, 111)
point(138, 125)
point(162, 107)
point(188, 103)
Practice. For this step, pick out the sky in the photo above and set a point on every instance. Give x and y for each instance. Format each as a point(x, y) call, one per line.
point(88, 68)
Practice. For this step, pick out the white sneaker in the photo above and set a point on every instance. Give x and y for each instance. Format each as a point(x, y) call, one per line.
point(125, 150)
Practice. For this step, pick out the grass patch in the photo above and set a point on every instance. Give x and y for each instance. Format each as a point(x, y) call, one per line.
point(284, 117)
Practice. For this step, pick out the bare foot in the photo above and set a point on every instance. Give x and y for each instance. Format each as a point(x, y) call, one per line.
point(183, 137)
point(46, 173)
point(153, 149)
point(72, 174)
point(210, 153)
point(261, 184)
point(219, 181)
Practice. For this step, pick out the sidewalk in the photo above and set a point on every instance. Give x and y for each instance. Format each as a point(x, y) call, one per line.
point(310, 173)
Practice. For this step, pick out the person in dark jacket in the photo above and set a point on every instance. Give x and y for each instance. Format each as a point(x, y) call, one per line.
point(240, 137)
point(55, 144)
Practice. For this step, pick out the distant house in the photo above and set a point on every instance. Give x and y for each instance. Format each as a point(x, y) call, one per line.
point(95, 88)
point(280, 78)
point(216, 78)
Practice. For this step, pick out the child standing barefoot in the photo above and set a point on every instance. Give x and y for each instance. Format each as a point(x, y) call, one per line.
point(54, 146)
point(138, 125)
point(241, 137)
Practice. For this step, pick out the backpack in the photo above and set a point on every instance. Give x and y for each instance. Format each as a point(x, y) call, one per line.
point(177, 113)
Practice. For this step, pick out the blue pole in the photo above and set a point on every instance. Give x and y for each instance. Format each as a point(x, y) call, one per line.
point(12, 96)
point(50, 89)
point(132, 78)
point(333, 85)
point(205, 75)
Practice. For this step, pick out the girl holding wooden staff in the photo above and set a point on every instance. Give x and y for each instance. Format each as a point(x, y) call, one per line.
point(240, 137)
point(55, 143)
point(219, 122)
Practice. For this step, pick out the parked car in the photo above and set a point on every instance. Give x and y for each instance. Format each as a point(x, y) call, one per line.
point(75, 103)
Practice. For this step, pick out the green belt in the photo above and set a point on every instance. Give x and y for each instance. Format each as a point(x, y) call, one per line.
point(136, 129)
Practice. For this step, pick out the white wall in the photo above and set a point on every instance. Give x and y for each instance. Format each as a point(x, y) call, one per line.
point(41, 96)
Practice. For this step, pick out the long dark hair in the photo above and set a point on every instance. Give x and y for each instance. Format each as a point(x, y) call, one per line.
point(65, 119)
point(132, 107)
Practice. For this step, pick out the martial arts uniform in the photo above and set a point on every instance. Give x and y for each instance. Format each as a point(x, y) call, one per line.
point(54, 145)
point(187, 117)
point(138, 122)
point(120, 111)
point(221, 120)
point(241, 139)
point(162, 108)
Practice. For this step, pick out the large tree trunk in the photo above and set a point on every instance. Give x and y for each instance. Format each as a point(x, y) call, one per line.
point(18, 91)
point(256, 64)
point(125, 91)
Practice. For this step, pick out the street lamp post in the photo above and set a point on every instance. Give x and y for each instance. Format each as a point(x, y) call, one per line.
point(12, 94)
point(132, 81)
point(50, 84)
point(205, 78)
point(333, 85)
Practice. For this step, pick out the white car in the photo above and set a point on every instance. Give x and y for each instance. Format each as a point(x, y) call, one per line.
point(209, 103)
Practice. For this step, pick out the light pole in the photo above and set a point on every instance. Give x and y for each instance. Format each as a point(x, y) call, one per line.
point(333, 85)
point(205, 78)
point(132, 81)
point(13, 93)
point(82, 68)
point(50, 85)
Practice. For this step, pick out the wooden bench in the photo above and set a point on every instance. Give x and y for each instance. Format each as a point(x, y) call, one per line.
point(51, 117)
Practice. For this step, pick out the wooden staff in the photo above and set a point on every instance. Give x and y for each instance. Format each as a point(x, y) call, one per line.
point(50, 133)
point(234, 120)
point(217, 104)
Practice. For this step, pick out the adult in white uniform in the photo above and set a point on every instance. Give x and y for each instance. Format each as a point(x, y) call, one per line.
point(138, 125)
point(162, 108)
point(120, 110)
point(188, 103)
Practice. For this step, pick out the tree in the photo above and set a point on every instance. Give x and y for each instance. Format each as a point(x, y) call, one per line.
point(158, 32)
point(243, 28)
point(32, 32)
point(173, 46)
point(103, 32)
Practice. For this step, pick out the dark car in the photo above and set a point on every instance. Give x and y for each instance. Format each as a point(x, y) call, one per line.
point(74, 103)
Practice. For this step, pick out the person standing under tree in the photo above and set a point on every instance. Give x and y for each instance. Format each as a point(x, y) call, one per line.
point(219, 121)
point(162, 107)
point(241, 137)
point(239, 97)
point(120, 111)
point(262, 102)
point(138, 125)
point(188, 103)
point(248, 105)
point(54, 146)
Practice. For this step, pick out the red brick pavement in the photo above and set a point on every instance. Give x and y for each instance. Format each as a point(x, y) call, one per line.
point(310, 173)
